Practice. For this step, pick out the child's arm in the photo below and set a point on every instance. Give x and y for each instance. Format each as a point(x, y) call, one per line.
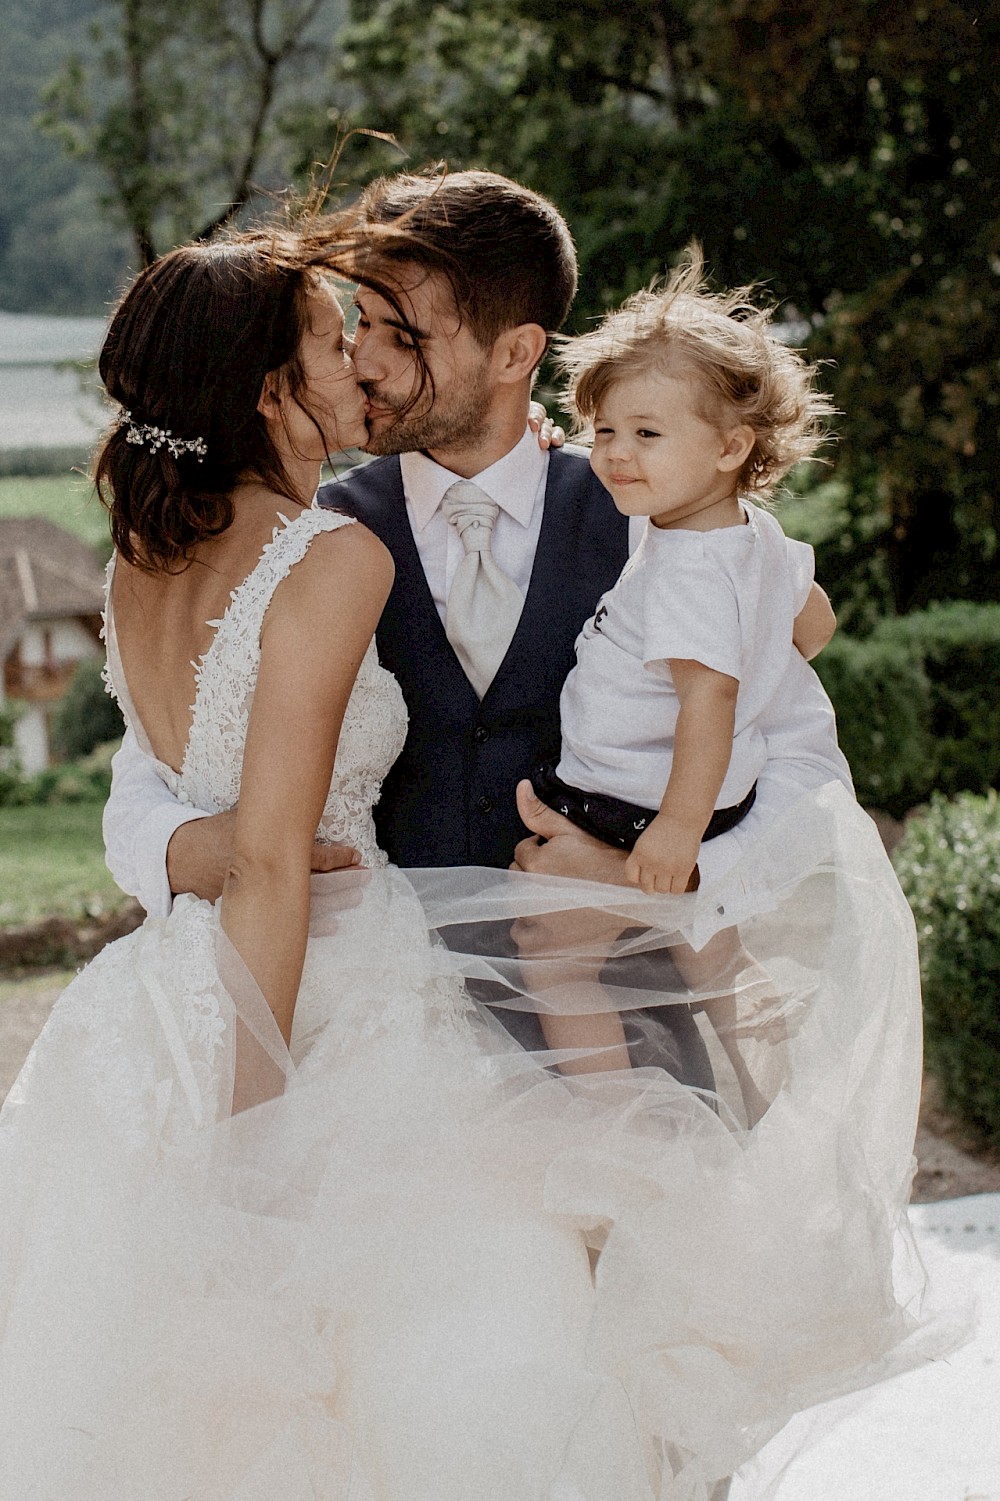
point(665, 856)
point(814, 624)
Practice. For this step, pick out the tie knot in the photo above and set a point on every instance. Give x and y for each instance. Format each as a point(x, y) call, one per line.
point(472, 514)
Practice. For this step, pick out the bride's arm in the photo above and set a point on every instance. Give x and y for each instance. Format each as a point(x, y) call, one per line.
point(316, 631)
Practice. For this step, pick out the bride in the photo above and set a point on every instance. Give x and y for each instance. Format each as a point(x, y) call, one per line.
point(284, 1212)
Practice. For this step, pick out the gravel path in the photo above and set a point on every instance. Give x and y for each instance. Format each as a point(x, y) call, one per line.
point(947, 1168)
point(24, 1009)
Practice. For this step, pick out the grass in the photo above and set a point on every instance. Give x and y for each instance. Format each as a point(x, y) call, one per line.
point(52, 858)
point(52, 864)
point(67, 499)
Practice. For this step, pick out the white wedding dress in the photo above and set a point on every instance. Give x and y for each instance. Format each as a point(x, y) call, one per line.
point(432, 1267)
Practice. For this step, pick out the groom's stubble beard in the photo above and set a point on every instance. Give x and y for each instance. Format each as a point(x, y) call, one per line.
point(459, 421)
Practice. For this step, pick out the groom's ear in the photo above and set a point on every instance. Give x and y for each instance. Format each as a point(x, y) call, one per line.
point(518, 352)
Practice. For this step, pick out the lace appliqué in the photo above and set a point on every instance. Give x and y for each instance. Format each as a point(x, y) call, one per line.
point(142, 1028)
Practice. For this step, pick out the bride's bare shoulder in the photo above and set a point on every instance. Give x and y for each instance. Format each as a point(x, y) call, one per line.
point(344, 569)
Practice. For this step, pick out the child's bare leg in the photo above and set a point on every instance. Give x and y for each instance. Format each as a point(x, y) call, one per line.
point(600, 1034)
point(713, 968)
point(566, 951)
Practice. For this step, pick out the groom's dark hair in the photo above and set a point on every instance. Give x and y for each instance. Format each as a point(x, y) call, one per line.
point(506, 250)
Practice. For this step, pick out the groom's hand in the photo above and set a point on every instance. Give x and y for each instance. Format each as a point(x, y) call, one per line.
point(559, 848)
point(327, 857)
point(199, 853)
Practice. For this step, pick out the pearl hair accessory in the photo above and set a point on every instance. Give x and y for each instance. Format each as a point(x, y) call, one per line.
point(145, 434)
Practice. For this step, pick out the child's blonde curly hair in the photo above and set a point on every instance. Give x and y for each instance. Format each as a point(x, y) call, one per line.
point(740, 372)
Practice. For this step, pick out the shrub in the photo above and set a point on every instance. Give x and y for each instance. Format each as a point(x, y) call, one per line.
point(918, 704)
point(6, 731)
point(949, 867)
point(87, 715)
point(959, 646)
point(883, 702)
point(85, 781)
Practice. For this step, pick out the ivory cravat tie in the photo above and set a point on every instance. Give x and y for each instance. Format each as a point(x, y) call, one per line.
point(484, 605)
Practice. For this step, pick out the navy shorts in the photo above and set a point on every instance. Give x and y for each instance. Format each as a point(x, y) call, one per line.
point(614, 821)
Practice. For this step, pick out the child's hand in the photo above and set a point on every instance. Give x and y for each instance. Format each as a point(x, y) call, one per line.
point(665, 857)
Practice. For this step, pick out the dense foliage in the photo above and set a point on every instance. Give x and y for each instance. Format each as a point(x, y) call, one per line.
point(87, 715)
point(58, 254)
point(87, 780)
point(845, 152)
point(949, 867)
point(179, 103)
point(918, 704)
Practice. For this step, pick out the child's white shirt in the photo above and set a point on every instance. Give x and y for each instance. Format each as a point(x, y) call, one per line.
point(726, 598)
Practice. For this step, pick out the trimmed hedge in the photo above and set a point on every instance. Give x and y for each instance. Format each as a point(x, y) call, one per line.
point(959, 648)
point(882, 697)
point(918, 704)
point(949, 867)
point(87, 780)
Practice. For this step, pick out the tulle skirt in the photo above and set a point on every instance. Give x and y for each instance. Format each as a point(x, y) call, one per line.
point(562, 1193)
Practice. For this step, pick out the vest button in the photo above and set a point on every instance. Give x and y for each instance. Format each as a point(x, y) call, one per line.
point(485, 805)
point(481, 735)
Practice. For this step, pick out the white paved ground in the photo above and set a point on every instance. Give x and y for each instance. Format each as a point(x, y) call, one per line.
point(933, 1434)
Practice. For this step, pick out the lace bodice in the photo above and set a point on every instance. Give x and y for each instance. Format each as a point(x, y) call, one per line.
point(374, 725)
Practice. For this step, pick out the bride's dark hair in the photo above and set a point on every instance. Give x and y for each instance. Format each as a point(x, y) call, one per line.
point(187, 352)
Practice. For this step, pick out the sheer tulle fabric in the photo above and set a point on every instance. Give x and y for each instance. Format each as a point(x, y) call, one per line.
point(416, 1258)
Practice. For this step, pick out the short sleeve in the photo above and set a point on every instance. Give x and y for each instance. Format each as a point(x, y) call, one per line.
point(801, 570)
point(691, 612)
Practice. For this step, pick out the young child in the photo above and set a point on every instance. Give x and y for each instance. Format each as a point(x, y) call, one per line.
point(697, 411)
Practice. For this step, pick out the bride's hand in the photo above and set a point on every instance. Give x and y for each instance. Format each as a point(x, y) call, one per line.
point(550, 434)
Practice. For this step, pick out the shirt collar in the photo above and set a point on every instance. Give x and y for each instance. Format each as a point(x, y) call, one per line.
point(513, 481)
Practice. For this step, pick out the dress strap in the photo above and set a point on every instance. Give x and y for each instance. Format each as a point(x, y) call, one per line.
point(288, 545)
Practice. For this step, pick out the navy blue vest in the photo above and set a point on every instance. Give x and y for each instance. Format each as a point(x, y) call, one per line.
point(449, 799)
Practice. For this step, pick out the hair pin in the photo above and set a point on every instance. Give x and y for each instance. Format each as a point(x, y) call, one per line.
point(147, 435)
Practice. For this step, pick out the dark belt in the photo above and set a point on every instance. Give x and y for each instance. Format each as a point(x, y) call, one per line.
point(612, 819)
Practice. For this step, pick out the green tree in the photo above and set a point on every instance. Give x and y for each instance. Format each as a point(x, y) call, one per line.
point(844, 152)
point(181, 104)
point(894, 108)
point(56, 252)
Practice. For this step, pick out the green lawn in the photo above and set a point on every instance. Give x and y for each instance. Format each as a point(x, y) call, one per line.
point(52, 858)
point(52, 864)
point(66, 498)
